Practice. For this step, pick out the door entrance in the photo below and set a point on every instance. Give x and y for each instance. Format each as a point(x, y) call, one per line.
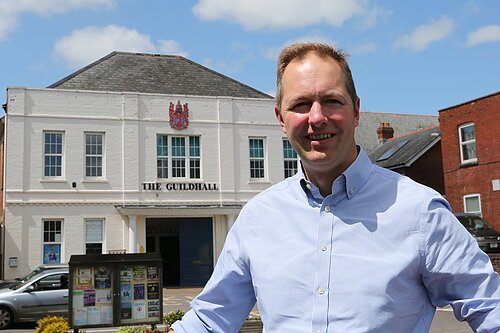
point(186, 246)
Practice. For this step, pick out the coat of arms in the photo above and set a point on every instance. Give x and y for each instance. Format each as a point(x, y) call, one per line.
point(179, 115)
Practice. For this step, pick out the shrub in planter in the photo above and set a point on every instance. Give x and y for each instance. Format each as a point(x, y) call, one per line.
point(52, 324)
point(172, 317)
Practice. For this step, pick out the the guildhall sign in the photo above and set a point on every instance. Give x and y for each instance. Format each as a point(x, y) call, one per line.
point(155, 186)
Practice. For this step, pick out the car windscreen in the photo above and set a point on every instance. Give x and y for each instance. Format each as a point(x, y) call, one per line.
point(473, 223)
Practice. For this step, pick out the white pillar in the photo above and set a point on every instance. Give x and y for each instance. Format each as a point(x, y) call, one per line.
point(132, 234)
point(230, 221)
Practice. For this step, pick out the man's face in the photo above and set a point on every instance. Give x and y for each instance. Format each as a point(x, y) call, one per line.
point(317, 114)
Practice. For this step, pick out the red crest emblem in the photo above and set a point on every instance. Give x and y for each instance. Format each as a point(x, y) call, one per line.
point(179, 115)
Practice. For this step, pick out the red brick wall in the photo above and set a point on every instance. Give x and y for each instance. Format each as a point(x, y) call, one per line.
point(460, 180)
point(495, 260)
point(428, 169)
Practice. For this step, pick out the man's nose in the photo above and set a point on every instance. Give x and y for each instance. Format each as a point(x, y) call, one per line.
point(316, 115)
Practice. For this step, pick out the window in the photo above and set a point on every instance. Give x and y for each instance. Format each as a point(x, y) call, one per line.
point(256, 158)
point(472, 203)
point(53, 154)
point(93, 236)
point(178, 157)
point(52, 238)
point(93, 154)
point(290, 159)
point(467, 139)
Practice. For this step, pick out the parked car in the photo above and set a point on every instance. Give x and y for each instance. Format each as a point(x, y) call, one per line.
point(487, 237)
point(38, 269)
point(46, 293)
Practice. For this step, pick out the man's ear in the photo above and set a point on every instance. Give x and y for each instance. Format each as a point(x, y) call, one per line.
point(356, 113)
point(280, 118)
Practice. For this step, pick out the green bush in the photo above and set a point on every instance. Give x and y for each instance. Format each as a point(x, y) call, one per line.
point(52, 324)
point(132, 329)
point(172, 317)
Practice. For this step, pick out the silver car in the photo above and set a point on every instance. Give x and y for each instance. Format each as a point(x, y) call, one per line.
point(44, 294)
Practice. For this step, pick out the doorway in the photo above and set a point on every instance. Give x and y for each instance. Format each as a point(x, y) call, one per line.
point(186, 246)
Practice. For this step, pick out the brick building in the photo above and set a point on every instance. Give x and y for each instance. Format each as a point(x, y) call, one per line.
point(471, 156)
point(416, 155)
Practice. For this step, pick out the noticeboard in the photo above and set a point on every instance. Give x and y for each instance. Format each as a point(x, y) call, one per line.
point(115, 290)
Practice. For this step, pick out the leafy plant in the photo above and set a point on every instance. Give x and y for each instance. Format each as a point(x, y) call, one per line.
point(52, 324)
point(132, 329)
point(172, 317)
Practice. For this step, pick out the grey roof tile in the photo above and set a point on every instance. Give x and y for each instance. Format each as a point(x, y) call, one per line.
point(153, 73)
point(404, 154)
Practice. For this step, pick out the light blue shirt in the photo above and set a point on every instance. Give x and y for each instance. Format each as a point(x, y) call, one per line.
point(377, 255)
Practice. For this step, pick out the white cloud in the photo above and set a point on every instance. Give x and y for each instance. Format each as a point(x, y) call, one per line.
point(368, 47)
point(86, 45)
point(11, 10)
point(171, 47)
point(274, 52)
point(486, 34)
point(420, 38)
point(260, 14)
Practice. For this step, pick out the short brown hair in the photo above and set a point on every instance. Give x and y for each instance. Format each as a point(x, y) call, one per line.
point(299, 52)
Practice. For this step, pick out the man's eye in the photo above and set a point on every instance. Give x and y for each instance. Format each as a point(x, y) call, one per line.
point(332, 101)
point(300, 107)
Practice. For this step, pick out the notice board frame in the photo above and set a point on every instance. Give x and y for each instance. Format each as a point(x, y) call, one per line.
point(100, 297)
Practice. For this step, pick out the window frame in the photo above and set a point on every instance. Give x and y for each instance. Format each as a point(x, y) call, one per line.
point(45, 155)
point(472, 195)
point(190, 162)
point(86, 241)
point(58, 243)
point(463, 143)
point(287, 171)
point(254, 159)
point(102, 156)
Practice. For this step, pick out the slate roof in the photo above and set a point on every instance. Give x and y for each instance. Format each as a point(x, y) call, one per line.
point(402, 151)
point(154, 73)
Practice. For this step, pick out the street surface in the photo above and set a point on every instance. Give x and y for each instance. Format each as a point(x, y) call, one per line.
point(179, 298)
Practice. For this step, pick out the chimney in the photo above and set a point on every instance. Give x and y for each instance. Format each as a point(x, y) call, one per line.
point(384, 132)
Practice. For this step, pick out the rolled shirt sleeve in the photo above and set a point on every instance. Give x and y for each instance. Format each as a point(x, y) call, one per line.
point(457, 272)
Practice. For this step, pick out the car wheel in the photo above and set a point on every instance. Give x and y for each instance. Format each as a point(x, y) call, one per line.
point(6, 318)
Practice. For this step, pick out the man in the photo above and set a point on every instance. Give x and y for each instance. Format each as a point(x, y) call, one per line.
point(344, 245)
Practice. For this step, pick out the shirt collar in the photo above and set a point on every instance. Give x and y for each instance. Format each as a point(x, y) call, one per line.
point(355, 176)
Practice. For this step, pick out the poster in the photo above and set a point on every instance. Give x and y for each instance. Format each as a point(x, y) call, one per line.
point(78, 298)
point(51, 253)
point(79, 316)
point(84, 278)
point(106, 315)
point(93, 315)
point(103, 297)
point(102, 278)
point(153, 290)
point(126, 275)
point(139, 310)
point(138, 291)
point(139, 274)
point(89, 298)
point(126, 310)
point(152, 273)
point(125, 292)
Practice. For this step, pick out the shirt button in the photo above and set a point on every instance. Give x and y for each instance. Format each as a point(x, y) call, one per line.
point(318, 331)
point(327, 209)
point(323, 247)
point(321, 291)
point(308, 186)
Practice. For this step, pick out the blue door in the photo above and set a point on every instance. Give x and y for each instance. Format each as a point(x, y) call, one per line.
point(196, 251)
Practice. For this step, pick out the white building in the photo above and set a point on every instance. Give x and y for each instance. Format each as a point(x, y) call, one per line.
point(97, 163)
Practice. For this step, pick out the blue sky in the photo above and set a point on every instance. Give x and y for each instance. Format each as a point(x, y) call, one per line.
point(412, 57)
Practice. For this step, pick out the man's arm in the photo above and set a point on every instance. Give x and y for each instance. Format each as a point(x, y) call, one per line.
point(228, 297)
point(458, 273)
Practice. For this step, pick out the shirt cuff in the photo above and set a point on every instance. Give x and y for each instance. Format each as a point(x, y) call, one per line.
point(189, 323)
